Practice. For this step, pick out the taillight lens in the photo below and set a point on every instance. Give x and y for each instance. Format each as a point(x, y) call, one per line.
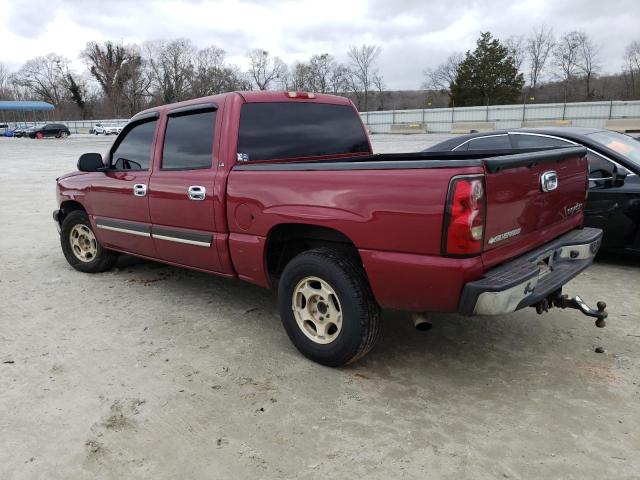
point(464, 223)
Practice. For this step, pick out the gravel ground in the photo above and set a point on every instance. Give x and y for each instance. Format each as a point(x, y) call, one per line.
point(150, 371)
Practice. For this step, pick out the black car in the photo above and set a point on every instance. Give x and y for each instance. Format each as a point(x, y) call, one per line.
point(57, 130)
point(614, 173)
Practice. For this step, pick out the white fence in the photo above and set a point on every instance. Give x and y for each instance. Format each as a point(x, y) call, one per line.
point(441, 120)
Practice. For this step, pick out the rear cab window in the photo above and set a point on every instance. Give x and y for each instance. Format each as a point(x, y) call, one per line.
point(289, 130)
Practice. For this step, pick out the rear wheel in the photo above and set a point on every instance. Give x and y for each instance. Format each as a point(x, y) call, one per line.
point(327, 307)
point(81, 247)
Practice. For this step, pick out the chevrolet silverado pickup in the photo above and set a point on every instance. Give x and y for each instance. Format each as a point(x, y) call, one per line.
point(282, 189)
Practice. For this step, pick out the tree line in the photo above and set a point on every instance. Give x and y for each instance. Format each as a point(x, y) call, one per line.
point(521, 68)
point(120, 80)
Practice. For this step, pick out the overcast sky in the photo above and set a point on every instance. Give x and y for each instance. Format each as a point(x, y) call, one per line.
point(413, 34)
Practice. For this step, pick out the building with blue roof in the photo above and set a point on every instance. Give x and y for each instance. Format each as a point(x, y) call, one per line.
point(24, 111)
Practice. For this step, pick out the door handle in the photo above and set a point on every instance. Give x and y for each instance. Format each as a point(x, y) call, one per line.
point(139, 189)
point(196, 192)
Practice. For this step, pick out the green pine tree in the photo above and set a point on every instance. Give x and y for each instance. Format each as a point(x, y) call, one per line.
point(487, 76)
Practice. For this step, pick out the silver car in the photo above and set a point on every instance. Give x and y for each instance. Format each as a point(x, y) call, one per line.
point(107, 129)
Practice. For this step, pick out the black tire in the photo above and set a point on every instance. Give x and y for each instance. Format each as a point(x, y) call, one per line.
point(361, 321)
point(102, 261)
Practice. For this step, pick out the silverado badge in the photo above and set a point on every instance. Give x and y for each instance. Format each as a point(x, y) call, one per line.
point(504, 236)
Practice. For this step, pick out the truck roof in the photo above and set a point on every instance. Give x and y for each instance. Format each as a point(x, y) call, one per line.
point(252, 97)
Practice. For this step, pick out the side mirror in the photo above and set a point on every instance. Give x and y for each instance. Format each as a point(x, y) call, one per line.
point(619, 176)
point(90, 162)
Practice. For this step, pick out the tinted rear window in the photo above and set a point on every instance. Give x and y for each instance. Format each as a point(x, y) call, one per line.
point(279, 130)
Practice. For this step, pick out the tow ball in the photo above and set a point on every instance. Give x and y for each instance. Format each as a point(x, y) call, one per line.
point(563, 301)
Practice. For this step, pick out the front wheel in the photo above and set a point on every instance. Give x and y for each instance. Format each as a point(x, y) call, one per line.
point(80, 246)
point(327, 307)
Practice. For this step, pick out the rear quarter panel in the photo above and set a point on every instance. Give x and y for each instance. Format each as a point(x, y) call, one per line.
point(393, 210)
point(394, 218)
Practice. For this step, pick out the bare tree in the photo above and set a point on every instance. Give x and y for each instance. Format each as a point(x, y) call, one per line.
point(297, 78)
point(444, 74)
point(112, 65)
point(588, 61)
point(632, 67)
point(4, 81)
point(361, 71)
point(135, 90)
point(212, 75)
point(338, 79)
point(320, 70)
point(44, 78)
point(171, 68)
point(378, 83)
point(264, 69)
point(516, 45)
point(566, 54)
point(538, 47)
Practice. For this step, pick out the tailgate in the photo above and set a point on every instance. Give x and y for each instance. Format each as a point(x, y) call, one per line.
point(522, 213)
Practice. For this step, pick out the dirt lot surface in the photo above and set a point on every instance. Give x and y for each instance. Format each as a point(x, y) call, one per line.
point(150, 371)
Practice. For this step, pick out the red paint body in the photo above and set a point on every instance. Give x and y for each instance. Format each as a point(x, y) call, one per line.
point(394, 217)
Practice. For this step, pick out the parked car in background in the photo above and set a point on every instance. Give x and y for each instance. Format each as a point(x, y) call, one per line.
point(57, 130)
point(614, 173)
point(107, 129)
point(3, 128)
point(22, 131)
point(282, 189)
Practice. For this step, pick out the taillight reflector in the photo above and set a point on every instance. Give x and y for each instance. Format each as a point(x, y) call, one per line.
point(465, 216)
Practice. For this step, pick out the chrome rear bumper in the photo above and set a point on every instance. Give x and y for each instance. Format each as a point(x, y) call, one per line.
point(529, 279)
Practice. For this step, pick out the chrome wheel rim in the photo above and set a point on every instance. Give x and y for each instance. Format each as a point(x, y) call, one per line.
point(317, 310)
point(83, 243)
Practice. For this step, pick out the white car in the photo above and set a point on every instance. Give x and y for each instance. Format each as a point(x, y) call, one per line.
point(107, 129)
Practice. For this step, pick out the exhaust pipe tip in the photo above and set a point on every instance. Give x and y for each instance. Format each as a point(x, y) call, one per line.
point(421, 322)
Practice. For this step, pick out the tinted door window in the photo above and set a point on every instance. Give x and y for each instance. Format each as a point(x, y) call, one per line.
point(188, 141)
point(536, 141)
point(293, 130)
point(133, 150)
point(500, 142)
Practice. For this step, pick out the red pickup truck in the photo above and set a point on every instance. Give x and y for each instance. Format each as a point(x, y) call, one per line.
point(283, 189)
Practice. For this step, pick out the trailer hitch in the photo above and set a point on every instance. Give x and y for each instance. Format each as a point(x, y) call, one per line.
point(563, 301)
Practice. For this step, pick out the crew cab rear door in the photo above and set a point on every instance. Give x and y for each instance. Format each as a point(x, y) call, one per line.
point(532, 198)
point(181, 193)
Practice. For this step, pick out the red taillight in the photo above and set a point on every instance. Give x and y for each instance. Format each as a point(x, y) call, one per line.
point(300, 95)
point(464, 222)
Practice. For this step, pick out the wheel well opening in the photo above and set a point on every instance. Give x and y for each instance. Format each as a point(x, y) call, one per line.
point(69, 206)
point(288, 240)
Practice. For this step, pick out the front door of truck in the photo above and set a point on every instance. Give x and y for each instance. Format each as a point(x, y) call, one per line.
point(119, 200)
point(181, 200)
